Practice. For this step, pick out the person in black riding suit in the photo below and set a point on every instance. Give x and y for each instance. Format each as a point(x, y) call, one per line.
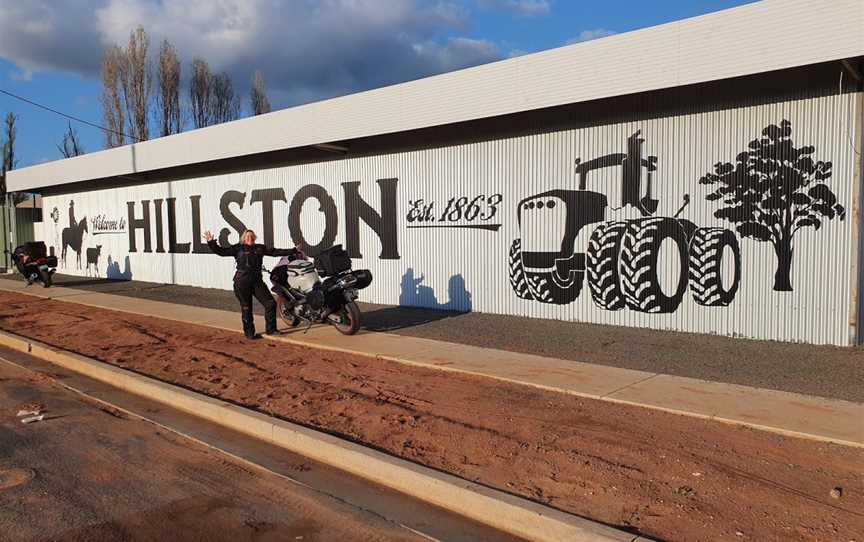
point(247, 278)
point(28, 270)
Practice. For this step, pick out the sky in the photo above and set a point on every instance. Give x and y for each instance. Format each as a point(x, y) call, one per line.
point(307, 50)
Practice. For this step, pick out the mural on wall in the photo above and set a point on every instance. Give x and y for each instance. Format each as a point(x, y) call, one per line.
point(644, 263)
point(73, 236)
point(93, 259)
point(55, 218)
point(606, 224)
point(773, 191)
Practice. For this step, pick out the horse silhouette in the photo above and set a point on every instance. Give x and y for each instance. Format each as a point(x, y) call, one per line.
point(72, 237)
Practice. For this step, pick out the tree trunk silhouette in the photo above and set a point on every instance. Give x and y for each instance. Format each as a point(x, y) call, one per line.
point(783, 274)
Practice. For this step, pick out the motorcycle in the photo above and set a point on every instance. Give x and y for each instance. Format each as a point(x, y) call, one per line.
point(33, 262)
point(324, 290)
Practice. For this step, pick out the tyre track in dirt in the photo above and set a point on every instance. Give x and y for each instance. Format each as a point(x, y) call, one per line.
point(668, 476)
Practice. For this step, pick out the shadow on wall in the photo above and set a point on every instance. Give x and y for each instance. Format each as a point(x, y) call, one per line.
point(113, 272)
point(418, 305)
point(415, 294)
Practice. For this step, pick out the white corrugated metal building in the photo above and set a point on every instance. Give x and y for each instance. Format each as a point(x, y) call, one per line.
point(703, 175)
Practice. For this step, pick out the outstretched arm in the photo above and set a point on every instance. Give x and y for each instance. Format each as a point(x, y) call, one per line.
point(215, 247)
point(269, 251)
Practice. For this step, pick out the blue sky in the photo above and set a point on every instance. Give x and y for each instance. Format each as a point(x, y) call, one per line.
point(50, 49)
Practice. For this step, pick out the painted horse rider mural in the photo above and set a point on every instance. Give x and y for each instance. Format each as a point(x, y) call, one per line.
point(73, 236)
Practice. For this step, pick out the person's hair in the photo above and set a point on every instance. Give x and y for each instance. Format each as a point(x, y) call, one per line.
point(242, 235)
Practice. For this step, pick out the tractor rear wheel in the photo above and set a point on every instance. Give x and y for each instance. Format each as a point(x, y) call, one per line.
point(710, 253)
point(654, 265)
point(604, 279)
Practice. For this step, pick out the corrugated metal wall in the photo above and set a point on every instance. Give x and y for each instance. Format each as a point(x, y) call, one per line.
point(464, 258)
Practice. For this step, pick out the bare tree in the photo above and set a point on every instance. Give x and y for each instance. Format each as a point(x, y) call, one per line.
point(136, 77)
point(168, 94)
point(112, 103)
point(225, 104)
point(258, 97)
point(9, 132)
point(7, 149)
point(71, 145)
point(200, 91)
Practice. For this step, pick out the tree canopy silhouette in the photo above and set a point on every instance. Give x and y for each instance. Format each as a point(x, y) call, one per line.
point(773, 191)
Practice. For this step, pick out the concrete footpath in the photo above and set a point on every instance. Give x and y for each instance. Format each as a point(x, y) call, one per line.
point(781, 412)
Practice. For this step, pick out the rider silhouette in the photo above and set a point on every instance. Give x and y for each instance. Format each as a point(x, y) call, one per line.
point(72, 222)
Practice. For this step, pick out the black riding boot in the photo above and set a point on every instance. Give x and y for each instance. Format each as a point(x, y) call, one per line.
point(248, 322)
point(270, 317)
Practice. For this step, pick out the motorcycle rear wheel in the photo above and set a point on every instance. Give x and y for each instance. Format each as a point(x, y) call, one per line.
point(349, 319)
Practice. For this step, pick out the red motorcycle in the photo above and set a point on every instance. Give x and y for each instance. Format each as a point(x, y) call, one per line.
point(33, 262)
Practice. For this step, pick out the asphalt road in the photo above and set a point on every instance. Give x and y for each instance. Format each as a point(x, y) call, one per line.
point(92, 472)
point(813, 370)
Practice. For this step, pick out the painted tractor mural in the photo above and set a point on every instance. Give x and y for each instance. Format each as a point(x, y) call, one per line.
point(637, 260)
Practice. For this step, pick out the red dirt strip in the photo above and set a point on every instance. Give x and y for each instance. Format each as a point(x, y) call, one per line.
point(667, 476)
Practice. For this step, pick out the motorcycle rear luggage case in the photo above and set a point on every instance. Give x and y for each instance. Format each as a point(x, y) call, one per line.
point(333, 261)
point(36, 249)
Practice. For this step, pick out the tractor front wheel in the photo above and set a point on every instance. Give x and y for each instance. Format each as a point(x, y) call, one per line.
point(542, 285)
point(517, 273)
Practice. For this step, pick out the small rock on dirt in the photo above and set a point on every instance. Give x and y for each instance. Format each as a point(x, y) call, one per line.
point(685, 491)
point(837, 492)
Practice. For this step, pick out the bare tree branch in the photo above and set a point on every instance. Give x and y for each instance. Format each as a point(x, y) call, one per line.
point(168, 93)
point(225, 104)
point(200, 91)
point(8, 162)
point(258, 97)
point(112, 105)
point(70, 145)
point(136, 77)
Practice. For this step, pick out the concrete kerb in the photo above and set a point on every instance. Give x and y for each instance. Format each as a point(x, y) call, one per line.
point(497, 509)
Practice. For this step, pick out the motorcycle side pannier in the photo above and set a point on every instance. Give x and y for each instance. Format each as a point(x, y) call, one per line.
point(333, 261)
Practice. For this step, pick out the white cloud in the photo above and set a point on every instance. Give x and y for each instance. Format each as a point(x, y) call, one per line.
point(306, 49)
point(23, 75)
point(588, 35)
point(45, 35)
point(524, 8)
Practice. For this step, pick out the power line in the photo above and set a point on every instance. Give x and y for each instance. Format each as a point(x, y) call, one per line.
point(70, 117)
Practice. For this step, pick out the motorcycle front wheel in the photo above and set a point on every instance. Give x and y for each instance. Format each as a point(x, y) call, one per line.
point(285, 312)
point(346, 319)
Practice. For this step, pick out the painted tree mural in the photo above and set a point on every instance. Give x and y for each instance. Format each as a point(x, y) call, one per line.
point(773, 191)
